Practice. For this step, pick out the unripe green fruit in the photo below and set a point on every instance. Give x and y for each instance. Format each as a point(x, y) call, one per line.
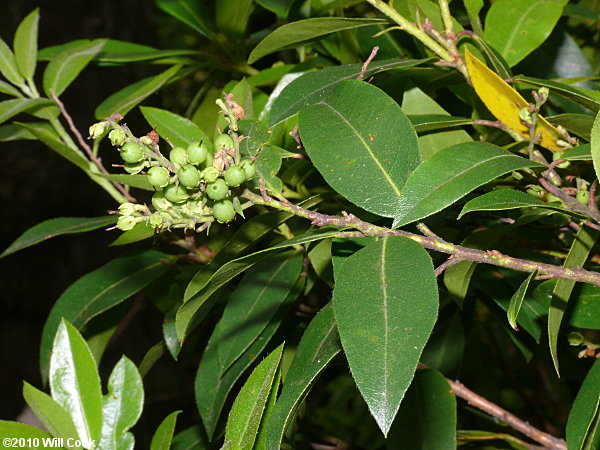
point(210, 174)
point(217, 190)
point(189, 176)
point(551, 198)
point(132, 152)
point(156, 220)
point(117, 137)
point(583, 197)
point(98, 129)
point(223, 141)
point(158, 176)
point(159, 202)
point(250, 168)
point(126, 223)
point(209, 160)
point(178, 156)
point(134, 168)
point(234, 176)
point(176, 193)
point(146, 140)
point(197, 153)
point(223, 211)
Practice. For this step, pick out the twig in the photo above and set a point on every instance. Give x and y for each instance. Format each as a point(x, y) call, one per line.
point(367, 62)
point(568, 201)
point(593, 205)
point(446, 264)
point(87, 148)
point(426, 231)
point(437, 244)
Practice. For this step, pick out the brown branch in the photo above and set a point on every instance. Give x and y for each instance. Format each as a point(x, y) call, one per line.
point(367, 62)
point(87, 148)
point(492, 257)
point(451, 261)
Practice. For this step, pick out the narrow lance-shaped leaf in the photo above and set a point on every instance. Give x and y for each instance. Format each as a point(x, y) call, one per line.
point(10, 108)
point(7, 88)
point(279, 7)
point(17, 430)
point(582, 426)
point(300, 33)
point(194, 13)
point(62, 70)
point(74, 382)
point(514, 307)
point(164, 433)
point(578, 254)
point(25, 44)
point(385, 301)
point(100, 290)
point(122, 406)
point(57, 227)
point(362, 144)
point(8, 65)
point(452, 173)
point(247, 410)
point(319, 345)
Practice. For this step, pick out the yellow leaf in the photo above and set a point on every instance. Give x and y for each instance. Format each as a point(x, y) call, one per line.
point(504, 103)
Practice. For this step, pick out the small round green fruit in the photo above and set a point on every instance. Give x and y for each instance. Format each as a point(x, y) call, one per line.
point(250, 168)
point(159, 201)
point(196, 153)
point(158, 176)
point(217, 190)
point(176, 193)
point(223, 211)
point(134, 168)
point(234, 176)
point(117, 137)
point(178, 156)
point(583, 197)
point(126, 223)
point(223, 141)
point(189, 176)
point(132, 152)
point(210, 174)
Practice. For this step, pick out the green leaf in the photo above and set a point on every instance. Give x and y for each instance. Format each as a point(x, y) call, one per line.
point(138, 233)
point(9, 89)
point(565, 91)
point(374, 290)
point(311, 87)
point(516, 301)
point(431, 122)
point(578, 254)
point(185, 316)
point(302, 32)
point(127, 98)
point(582, 429)
point(122, 406)
point(254, 302)
point(25, 44)
point(164, 433)
point(212, 385)
point(151, 357)
point(17, 132)
point(595, 145)
point(582, 152)
point(179, 130)
point(62, 70)
point(452, 173)
point(10, 108)
point(586, 308)
point(16, 430)
point(515, 28)
point(57, 227)
point(50, 139)
point(279, 7)
point(74, 381)
point(446, 347)
point(190, 439)
point(362, 144)
point(427, 416)
point(319, 345)
point(8, 65)
point(194, 13)
point(577, 124)
point(506, 199)
point(247, 410)
point(99, 291)
point(53, 416)
point(473, 8)
point(268, 164)
point(232, 17)
point(136, 181)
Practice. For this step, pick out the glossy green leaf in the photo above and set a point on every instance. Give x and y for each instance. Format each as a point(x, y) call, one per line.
point(247, 410)
point(151, 357)
point(8, 65)
point(582, 152)
point(164, 433)
point(302, 32)
point(452, 173)
point(268, 164)
point(62, 70)
point(53, 416)
point(17, 430)
point(586, 308)
point(311, 87)
point(194, 13)
point(576, 124)
point(320, 343)
point(10, 108)
point(506, 199)
point(385, 301)
point(123, 101)
point(232, 17)
point(427, 416)
point(74, 381)
point(279, 7)
point(9, 89)
point(582, 428)
point(138, 233)
point(185, 315)
point(261, 438)
point(516, 301)
point(254, 303)
point(57, 227)
point(25, 44)
point(136, 181)
point(515, 28)
point(121, 406)
point(99, 291)
point(578, 254)
point(17, 132)
point(212, 385)
point(179, 130)
point(431, 122)
point(363, 145)
point(415, 101)
point(595, 145)
point(563, 90)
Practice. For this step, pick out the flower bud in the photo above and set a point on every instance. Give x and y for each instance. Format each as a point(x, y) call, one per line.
point(117, 137)
point(98, 129)
point(126, 223)
point(146, 140)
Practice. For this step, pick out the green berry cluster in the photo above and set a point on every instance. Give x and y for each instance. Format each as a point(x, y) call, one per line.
point(193, 185)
